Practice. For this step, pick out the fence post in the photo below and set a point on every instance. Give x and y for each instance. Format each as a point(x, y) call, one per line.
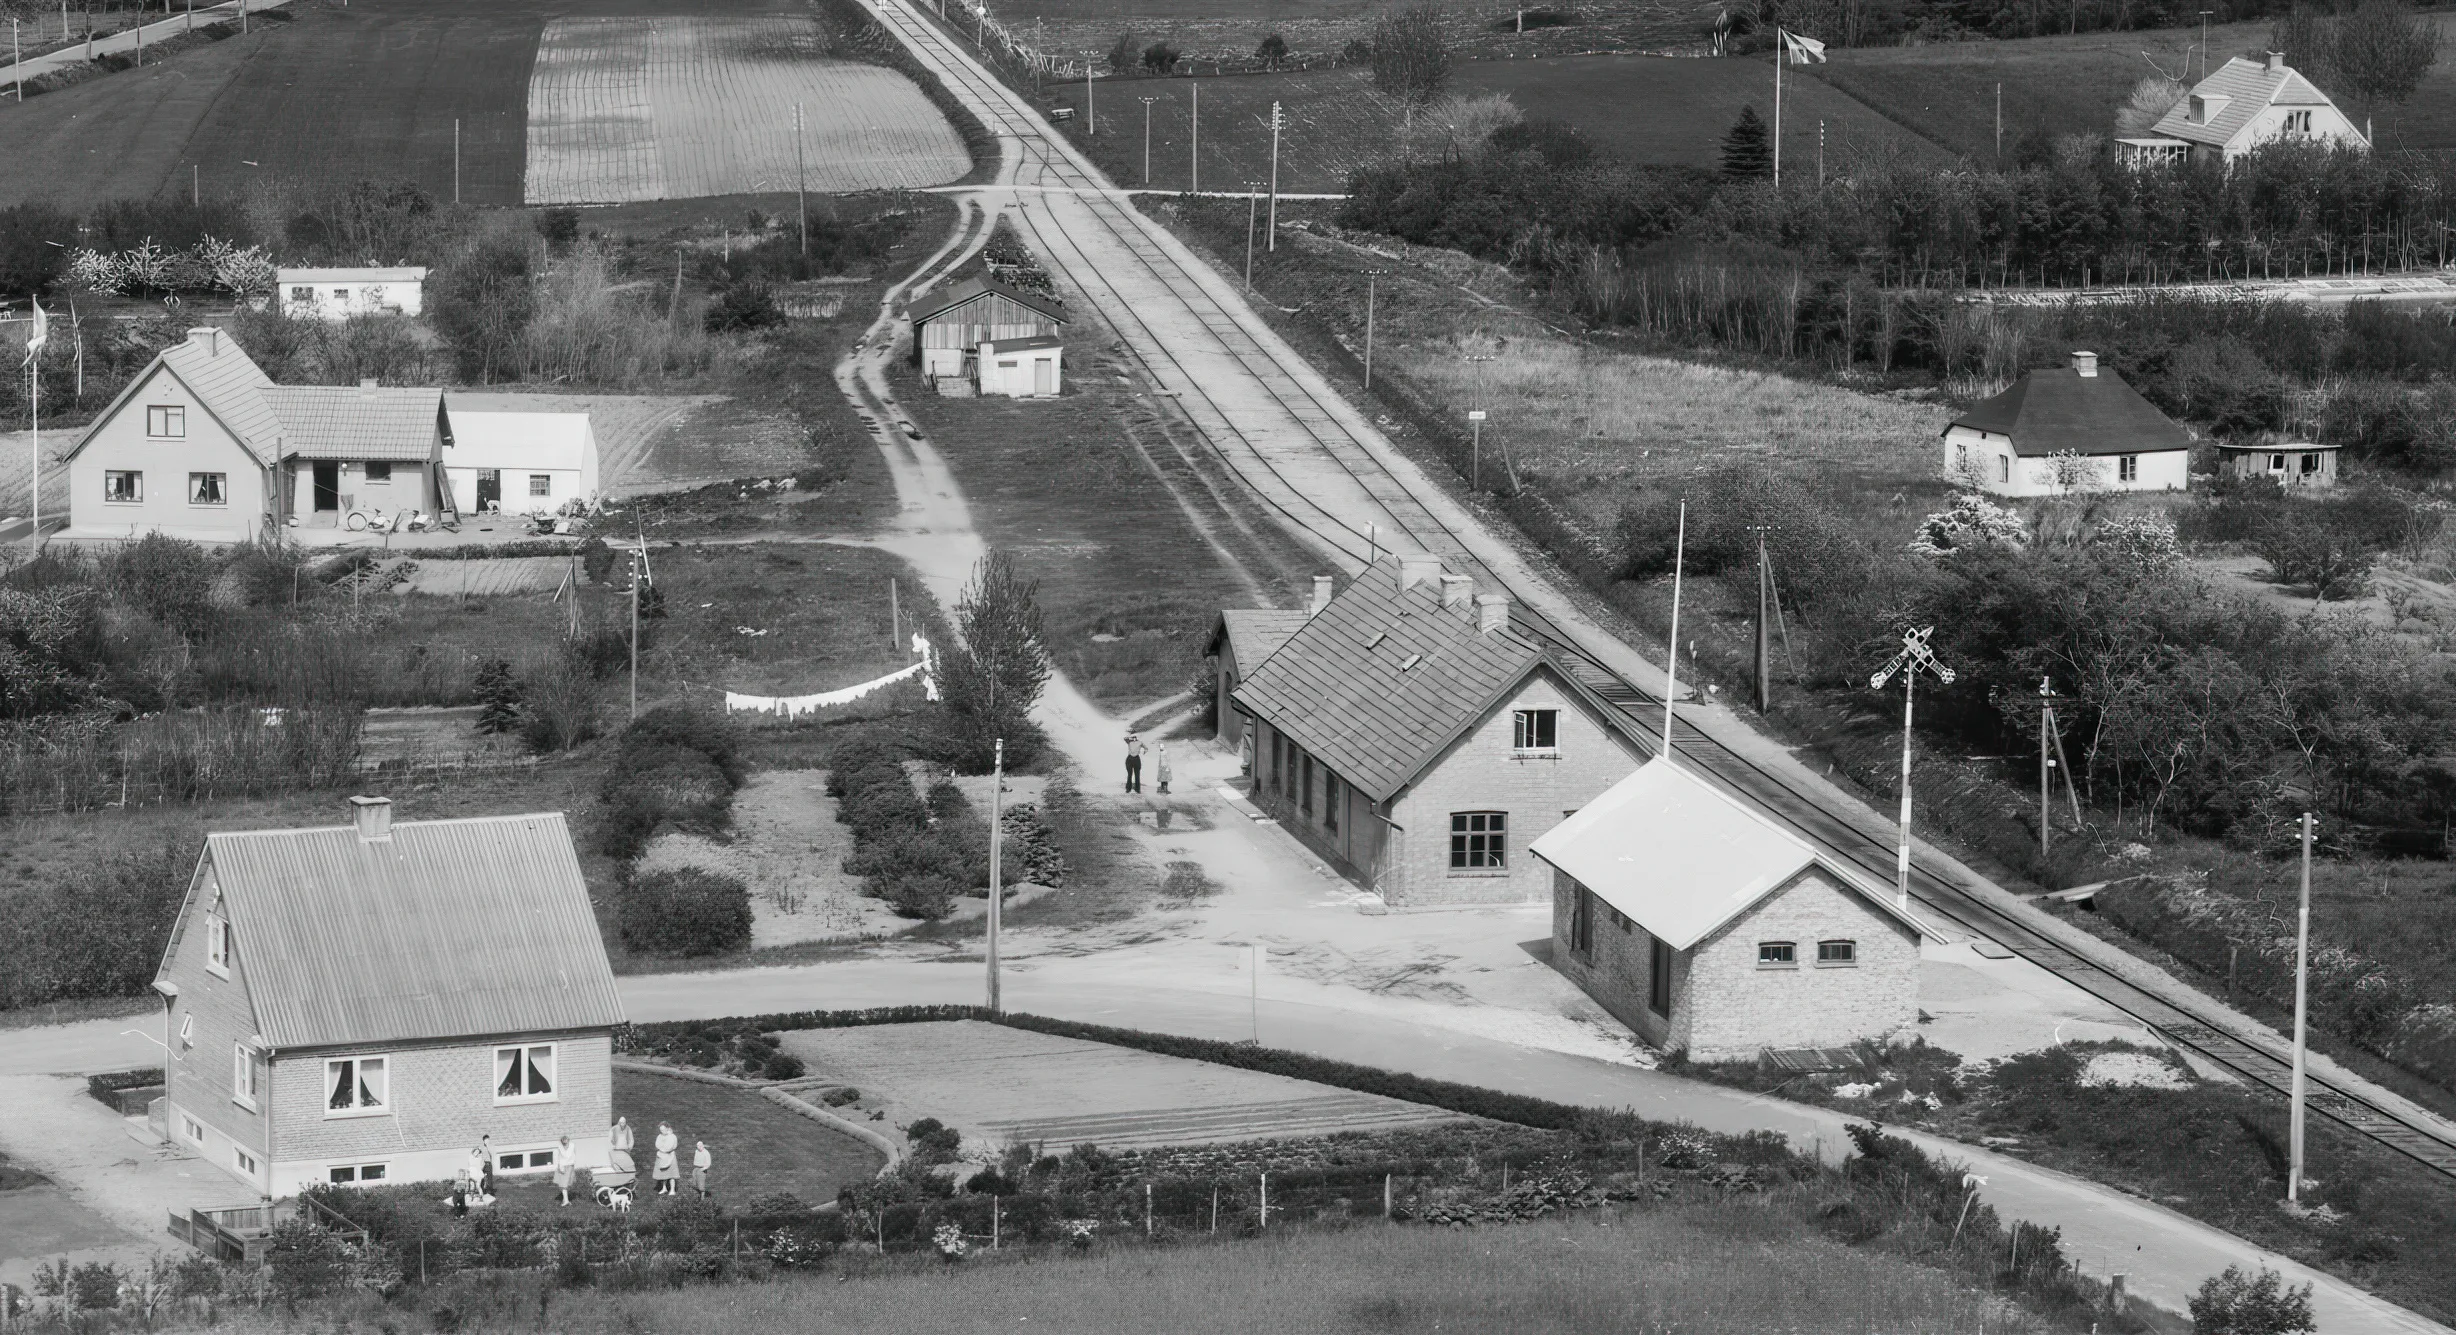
point(1385, 1195)
point(1265, 1215)
point(1215, 1207)
point(1146, 1210)
point(993, 1223)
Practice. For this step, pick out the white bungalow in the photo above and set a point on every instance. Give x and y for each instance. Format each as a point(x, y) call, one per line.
point(2070, 430)
point(2242, 106)
point(337, 294)
point(520, 463)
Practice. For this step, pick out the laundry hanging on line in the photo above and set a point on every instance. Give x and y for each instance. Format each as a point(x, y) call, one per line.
point(794, 706)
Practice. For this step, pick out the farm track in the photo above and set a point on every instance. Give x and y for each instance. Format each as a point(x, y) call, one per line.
point(1358, 506)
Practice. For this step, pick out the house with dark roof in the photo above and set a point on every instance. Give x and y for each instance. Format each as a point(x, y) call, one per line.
point(1712, 929)
point(1240, 640)
point(2075, 429)
point(951, 327)
point(203, 445)
point(2245, 104)
point(365, 1002)
point(1408, 734)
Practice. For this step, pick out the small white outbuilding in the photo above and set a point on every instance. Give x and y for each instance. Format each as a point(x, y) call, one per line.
point(520, 463)
point(337, 294)
point(1022, 368)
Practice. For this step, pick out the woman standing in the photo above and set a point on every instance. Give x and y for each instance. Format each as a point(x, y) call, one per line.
point(1162, 773)
point(668, 1172)
point(700, 1162)
point(564, 1168)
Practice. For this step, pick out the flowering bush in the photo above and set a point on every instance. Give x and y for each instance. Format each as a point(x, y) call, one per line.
point(1078, 1232)
point(94, 271)
point(949, 1240)
point(1971, 521)
point(242, 271)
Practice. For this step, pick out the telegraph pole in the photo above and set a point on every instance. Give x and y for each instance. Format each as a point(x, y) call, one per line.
point(1279, 121)
point(1372, 280)
point(1147, 101)
point(639, 561)
point(801, 180)
point(1765, 585)
point(997, 883)
point(2302, 995)
point(1194, 157)
point(1913, 659)
point(1091, 118)
point(2046, 762)
point(1475, 450)
point(1671, 662)
point(1253, 201)
point(456, 159)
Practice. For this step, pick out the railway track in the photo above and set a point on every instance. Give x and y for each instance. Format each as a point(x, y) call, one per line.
point(1329, 427)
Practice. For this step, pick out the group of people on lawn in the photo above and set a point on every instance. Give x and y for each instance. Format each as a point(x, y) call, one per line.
point(476, 1185)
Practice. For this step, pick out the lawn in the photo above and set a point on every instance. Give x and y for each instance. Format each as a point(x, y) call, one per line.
point(774, 619)
point(1338, 124)
point(1225, 33)
point(2073, 85)
point(757, 1148)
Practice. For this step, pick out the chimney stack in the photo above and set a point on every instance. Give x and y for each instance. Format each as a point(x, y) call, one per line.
point(370, 383)
point(1321, 594)
point(2085, 363)
point(1457, 591)
point(374, 819)
point(1491, 612)
point(1415, 570)
point(208, 338)
point(2276, 62)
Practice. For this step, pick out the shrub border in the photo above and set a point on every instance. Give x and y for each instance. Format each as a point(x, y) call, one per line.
point(1472, 1100)
point(875, 1139)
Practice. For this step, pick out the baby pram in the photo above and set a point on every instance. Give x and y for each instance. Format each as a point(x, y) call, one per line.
point(614, 1184)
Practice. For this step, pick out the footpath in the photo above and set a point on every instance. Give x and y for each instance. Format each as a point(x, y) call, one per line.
point(127, 39)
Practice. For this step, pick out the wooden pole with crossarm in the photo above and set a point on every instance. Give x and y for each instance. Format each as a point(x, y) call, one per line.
point(1914, 657)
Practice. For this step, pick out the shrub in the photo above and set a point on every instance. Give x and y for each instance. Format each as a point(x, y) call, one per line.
point(744, 306)
point(481, 304)
point(171, 580)
point(783, 1066)
point(33, 246)
point(556, 711)
point(685, 911)
point(2234, 1303)
point(838, 1098)
point(677, 769)
point(499, 693)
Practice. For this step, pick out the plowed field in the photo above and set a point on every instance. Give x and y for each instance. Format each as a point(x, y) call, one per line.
point(626, 109)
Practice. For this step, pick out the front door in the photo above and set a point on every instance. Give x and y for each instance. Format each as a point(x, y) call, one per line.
point(1044, 376)
point(490, 489)
point(328, 486)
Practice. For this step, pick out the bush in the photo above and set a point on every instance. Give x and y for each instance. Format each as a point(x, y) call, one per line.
point(685, 911)
point(34, 242)
point(783, 1066)
point(170, 579)
point(744, 306)
point(677, 769)
point(2234, 1303)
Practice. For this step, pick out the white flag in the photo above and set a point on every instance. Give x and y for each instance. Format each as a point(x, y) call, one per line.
point(42, 332)
point(1801, 50)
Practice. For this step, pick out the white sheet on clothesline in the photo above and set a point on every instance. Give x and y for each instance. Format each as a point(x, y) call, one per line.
point(794, 706)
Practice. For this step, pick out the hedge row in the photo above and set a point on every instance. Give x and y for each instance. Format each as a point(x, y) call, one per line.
point(1469, 1099)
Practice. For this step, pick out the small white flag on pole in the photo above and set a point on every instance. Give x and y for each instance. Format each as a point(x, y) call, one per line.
point(42, 332)
point(1800, 50)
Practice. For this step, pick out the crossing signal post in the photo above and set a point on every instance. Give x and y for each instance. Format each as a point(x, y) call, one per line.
point(1914, 658)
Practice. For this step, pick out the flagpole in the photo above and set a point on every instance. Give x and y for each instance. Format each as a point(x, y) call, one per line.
point(34, 409)
point(1782, 57)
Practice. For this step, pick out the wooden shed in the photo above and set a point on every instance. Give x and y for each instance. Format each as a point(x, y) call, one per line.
point(2298, 463)
point(950, 326)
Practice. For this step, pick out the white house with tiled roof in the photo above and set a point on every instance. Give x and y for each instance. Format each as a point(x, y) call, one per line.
point(1712, 929)
point(1412, 737)
point(203, 445)
point(365, 1002)
point(2245, 104)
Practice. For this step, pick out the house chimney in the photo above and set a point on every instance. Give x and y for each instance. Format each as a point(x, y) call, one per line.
point(1456, 592)
point(374, 819)
point(208, 338)
point(1321, 594)
point(370, 383)
point(2276, 62)
point(2085, 363)
point(1491, 612)
point(1415, 570)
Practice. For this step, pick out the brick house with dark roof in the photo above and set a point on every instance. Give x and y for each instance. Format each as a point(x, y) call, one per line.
point(361, 1003)
point(202, 444)
point(2067, 430)
point(1416, 741)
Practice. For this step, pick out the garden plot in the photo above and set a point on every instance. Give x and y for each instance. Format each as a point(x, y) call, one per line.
point(487, 576)
point(998, 1085)
point(789, 849)
point(624, 109)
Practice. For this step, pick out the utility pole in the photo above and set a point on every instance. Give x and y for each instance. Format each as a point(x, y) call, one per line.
point(1194, 157)
point(1999, 122)
point(895, 615)
point(801, 183)
point(639, 562)
point(1671, 661)
point(1279, 121)
point(1913, 658)
point(456, 159)
point(2302, 994)
point(1475, 450)
point(997, 883)
point(17, 63)
point(1765, 597)
point(1147, 101)
point(1253, 201)
point(2046, 761)
point(1091, 118)
point(1372, 280)
point(2204, 46)
point(1820, 152)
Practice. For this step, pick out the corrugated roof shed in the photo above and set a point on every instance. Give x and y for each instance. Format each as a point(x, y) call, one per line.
point(1383, 678)
point(2054, 411)
point(973, 289)
point(448, 929)
point(2248, 86)
point(359, 422)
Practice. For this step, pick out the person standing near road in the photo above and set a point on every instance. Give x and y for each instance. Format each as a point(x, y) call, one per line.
point(1134, 763)
point(668, 1172)
point(700, 1162)
point(1160, 767)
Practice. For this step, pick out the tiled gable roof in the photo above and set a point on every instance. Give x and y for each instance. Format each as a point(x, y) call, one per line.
point(357, 422)
point(2249, 86)
point(1255, 633)
point(449, 929)
point(2054, 411)
point(227, 383)
point(972, 289)
point(1380, 680)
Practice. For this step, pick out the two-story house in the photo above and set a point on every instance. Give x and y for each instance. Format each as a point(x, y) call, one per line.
point(362, 1003)
point(202, 444)
point(2245, 104)
point(1416, 741)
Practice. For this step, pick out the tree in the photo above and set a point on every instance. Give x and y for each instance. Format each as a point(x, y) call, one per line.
point(1748, 154)
point(1411, 62)
point(2238, 1304)
point(2375, 52)
point(481, 303)
point(34, 246)
point(991, 679)
point(1123, 55)
point(2147, 104)
point(1160, 58)
point(1273, 50)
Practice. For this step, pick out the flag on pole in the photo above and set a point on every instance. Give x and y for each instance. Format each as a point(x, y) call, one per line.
point(1800, 50)
point(42, 332)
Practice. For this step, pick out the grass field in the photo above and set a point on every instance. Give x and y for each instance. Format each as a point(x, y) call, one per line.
point(757, 1148)
point(1338, 123)
point(653, 108)
point(2072, 85)
point(1228, 30)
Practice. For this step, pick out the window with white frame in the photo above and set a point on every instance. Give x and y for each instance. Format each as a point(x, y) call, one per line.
point(217, 943)
point(246, 1075)
point(1837, 953)
point(357, 1086)
point(192, 1129)
point(1777, 955)
point(541, 484)
point(2127, 468)
point(123, 486)
point(1536, 732)
point(346, 1174)
point(524, 1074)
point(243, 1161)
point(208, 489)
point(2004, 468)
point(166, 421)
